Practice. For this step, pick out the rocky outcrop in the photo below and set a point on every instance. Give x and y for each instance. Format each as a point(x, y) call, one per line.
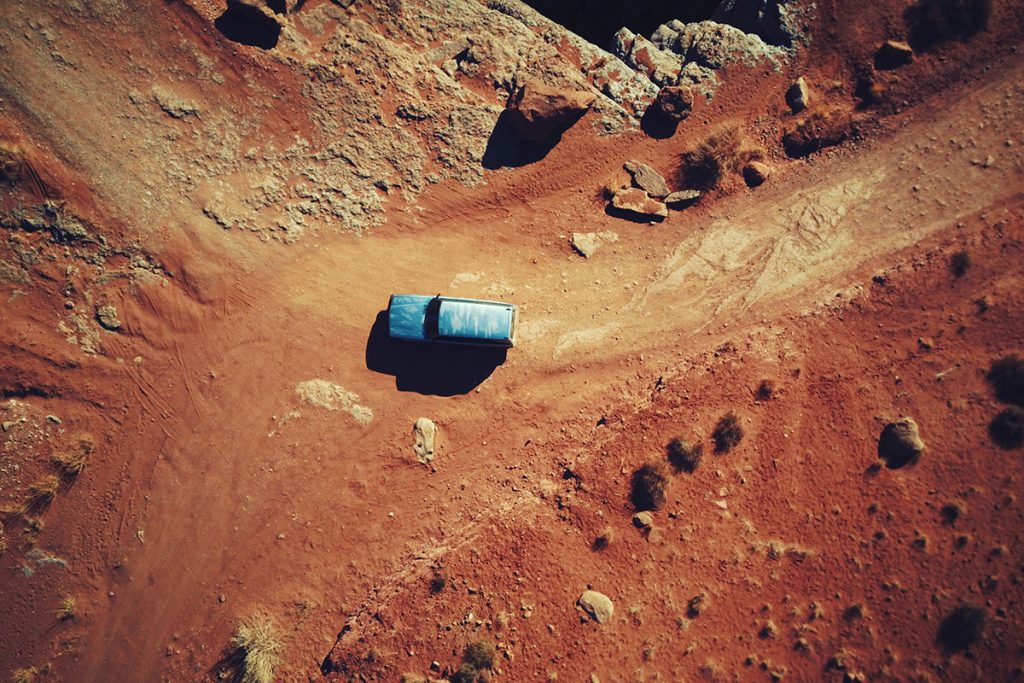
point(777, 22)
point(536, 111)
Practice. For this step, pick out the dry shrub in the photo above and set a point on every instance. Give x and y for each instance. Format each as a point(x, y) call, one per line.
point(70, 464)
point(66, 611)
point(480, 654)
point(684, 456)
point(648, 487)
point(765, 390)
point(727, 433)
point(25, 675)
point(438, 582)
point(1006, 376)
point(1007, 428)
point(962, 628)
point(933, 22)
point(959, 262)
point(41, 494)
point(258, 640)
point(724, 151)
point(467, 674)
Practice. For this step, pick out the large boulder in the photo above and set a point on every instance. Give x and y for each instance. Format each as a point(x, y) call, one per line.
point(673, 103)
point(900, 443)
point(536, 111)
point(597, 605)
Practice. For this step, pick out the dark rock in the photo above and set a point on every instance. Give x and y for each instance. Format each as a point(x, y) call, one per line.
point(673, 103)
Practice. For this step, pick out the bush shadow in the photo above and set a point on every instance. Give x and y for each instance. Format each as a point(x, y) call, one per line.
point(425, 368)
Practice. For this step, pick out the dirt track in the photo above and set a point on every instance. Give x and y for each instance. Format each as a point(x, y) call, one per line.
point(220, 481)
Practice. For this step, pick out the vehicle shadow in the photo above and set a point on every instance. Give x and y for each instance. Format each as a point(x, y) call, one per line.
point(424, 368)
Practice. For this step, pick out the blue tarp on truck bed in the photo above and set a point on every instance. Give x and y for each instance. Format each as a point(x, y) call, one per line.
point(415, 317)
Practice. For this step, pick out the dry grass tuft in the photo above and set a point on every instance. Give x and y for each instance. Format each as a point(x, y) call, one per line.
point(41, 494)
point(480, 654)
point(959, 262)
point(724, 151)
point(962, 628)
point(25, 675)
point(257, 638)
point(1007, 428)
point(604, 539)
point(66, 611)
point(70, 464)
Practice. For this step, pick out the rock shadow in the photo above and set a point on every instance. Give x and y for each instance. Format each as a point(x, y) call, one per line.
point(657, 125)
point(425, 368)
point(505, 149)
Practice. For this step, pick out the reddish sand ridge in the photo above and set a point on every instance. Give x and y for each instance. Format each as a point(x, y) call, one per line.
point(218, 491)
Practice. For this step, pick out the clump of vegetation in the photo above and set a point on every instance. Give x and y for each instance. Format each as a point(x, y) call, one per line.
point(696, 605)
point(25, 675)
point(1006, 376)
point(683, 455)
point(727, 433)
point(765, 390)
point(951, 512)
point(257, 640)
point(648, 487)
point(932, 22)
point(66, 611)
point(959, 262)
point(480, 654)
point(603, 539)
point(438, 582)
point(1007, 428)
point(71, 463)
point(477, 661)
point(962, 628)
point(723, 152)
point(41, 494)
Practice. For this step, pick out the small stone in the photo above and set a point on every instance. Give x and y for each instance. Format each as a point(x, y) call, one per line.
point(647, 179)
point(107, 317)
point(755, 173)
point(54, 419)
point(926, 343)
point(222, 598)
point(424, 432)
point(280, 537)
point(893, 54)
point(635, 201)
point(435, 665)
point(597, 605)
point(989, 160)
point(643, 520)
point(681, 197)
point(900, 443)
point(587, 243)
point(798, 96)
point(8, 425)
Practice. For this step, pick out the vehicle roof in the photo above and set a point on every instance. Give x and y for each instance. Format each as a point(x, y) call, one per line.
point(459, 318)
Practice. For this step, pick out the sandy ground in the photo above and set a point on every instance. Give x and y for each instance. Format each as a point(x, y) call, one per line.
point(220, 488)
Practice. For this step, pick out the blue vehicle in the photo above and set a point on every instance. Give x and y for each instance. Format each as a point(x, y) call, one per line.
point(448, 320)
